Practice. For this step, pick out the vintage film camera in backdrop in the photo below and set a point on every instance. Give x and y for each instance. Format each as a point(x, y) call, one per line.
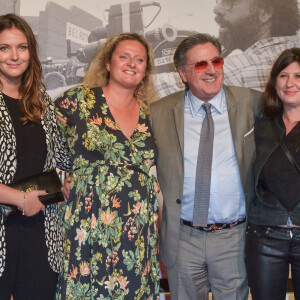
point(125, 17)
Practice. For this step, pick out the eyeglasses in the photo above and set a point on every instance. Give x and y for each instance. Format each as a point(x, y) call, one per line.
point(201, 66)
point(227, 4)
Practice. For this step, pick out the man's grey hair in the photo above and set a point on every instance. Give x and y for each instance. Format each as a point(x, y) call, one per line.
point(190, 42)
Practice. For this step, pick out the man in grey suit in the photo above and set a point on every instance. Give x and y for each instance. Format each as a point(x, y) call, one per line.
point(208, 257)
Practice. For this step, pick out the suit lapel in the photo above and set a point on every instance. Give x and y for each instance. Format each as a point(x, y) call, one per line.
point(233, 109)
point(178, 113)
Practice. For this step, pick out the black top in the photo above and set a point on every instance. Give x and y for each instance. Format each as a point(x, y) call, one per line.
point(31, 142)
point(279, 176)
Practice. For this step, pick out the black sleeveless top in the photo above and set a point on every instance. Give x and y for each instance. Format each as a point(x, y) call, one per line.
point(31, 142)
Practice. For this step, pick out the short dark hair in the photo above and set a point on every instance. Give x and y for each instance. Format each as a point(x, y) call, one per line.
point(285, 20)
point(271, 104)
point(190, 42)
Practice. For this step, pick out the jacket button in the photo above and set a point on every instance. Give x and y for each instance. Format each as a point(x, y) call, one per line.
point(178, 201)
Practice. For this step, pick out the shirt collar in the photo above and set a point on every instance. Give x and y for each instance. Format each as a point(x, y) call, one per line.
point(218, 103)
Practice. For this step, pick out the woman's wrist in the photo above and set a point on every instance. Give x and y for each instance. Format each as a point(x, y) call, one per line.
point(22, 207)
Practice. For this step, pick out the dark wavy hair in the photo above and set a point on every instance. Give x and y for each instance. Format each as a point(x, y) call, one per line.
point(271, 103)
point(31, 103)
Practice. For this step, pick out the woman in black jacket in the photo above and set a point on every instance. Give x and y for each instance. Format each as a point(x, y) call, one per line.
point(273, 234)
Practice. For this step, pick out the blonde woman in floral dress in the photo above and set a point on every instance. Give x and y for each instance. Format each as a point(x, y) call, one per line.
point(110, 218)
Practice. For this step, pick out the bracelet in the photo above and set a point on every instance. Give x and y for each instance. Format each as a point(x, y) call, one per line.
point(23, 204)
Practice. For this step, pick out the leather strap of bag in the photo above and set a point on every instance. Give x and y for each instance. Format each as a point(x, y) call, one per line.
point(289, 155)
point(286, 151)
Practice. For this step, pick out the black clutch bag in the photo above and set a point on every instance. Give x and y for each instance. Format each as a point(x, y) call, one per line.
point(48, 181)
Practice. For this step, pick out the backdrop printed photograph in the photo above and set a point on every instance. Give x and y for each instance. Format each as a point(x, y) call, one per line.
point(70, 31)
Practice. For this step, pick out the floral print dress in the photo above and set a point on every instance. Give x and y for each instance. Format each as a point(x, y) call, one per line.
point(110, 219)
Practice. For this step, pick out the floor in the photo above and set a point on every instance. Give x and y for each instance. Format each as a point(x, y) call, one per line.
point(289, 296)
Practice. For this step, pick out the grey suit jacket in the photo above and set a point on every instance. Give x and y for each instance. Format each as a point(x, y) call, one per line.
point(167, 117)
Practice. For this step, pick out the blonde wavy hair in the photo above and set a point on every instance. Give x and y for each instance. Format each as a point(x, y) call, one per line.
point(97, 74)
point(31, 103)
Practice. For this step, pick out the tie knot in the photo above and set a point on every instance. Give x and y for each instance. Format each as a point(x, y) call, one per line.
point(206, 107)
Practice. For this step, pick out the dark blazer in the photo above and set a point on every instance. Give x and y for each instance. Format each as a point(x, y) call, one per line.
point(167, 116)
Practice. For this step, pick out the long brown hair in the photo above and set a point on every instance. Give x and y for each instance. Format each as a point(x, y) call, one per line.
point(98, 75)
point(271, 103)
point(31, 103)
